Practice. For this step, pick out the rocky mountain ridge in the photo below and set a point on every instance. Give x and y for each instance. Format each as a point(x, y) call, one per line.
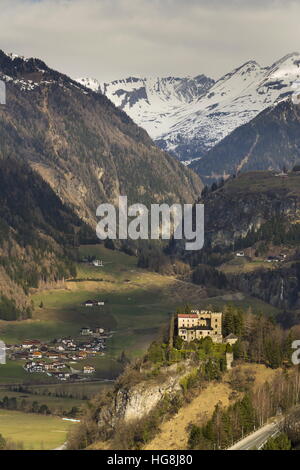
point(270, 141)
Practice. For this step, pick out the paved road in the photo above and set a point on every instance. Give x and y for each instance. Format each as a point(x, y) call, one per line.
point(258, 438)
point(62, 447)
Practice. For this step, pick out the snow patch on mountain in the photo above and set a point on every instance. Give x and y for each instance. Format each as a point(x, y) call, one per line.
point(30, 73)
point(91, 83)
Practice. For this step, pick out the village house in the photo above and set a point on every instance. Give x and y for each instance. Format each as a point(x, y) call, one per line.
point(34, 366)
point(73, 357)
point(86, 331)
point(86, 347)
point(99, 331)
point(200, 324)
point(88, 303)
point(68, 342)
point(58, 365)
point(92, 353)
point(88, 369)
point(52, 355)
point(93, 303)
point(61, 375)
point(28, 344)
point(98, 263)
point(21, 356)
point(36, 355)
point(81, 355)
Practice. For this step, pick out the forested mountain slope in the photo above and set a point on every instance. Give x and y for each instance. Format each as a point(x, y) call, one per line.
point(84, 147)
point(37, 233)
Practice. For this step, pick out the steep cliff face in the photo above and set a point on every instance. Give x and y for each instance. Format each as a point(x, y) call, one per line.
point(279, 287)
point(247, 202)
point(133, 402)
point(83, 146)
point(130, 404)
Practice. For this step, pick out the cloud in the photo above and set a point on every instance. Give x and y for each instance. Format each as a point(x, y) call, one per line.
point(110, 39)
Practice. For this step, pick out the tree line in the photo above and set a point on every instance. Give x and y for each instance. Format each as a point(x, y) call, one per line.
point(12, 403)
point(228, 425)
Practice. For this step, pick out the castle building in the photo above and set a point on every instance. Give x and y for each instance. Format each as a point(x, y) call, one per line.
point(200, 324)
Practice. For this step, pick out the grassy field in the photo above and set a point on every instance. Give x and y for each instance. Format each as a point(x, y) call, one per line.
point(244, 265)
point(260, 181)
point(34, 431)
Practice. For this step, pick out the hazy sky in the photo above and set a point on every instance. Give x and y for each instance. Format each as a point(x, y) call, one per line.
point(109, 39)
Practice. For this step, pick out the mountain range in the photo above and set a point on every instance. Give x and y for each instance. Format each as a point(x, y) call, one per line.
point(63, 151)
point(189, 116)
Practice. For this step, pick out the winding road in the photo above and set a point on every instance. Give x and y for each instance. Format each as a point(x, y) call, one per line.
point(258, 438)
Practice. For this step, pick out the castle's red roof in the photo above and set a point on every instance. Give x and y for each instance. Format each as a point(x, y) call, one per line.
point(187, 315)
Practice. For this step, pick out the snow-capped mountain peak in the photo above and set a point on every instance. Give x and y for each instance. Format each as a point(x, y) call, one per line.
point(153, 102)
point(189, 115)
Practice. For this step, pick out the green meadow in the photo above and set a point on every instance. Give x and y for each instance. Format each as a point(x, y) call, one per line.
point(32, 431)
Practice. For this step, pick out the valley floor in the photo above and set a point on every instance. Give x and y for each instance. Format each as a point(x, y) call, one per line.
point(32, 431)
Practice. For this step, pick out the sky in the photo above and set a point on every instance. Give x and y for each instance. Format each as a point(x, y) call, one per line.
point(111, 39)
